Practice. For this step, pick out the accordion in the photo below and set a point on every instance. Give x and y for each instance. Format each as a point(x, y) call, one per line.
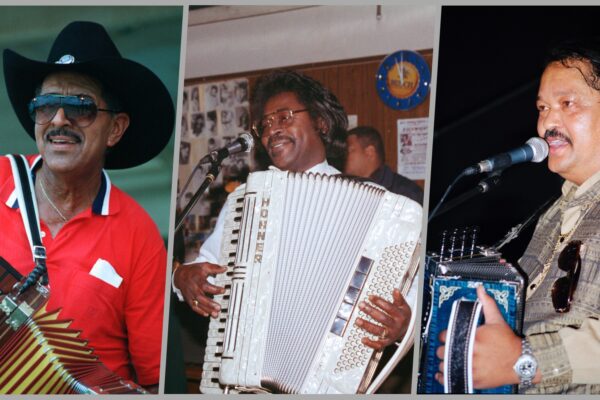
point(301, 251)
point(39, 354)
point(450, 303)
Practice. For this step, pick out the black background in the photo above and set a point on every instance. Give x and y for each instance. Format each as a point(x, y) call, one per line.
point(490, 61)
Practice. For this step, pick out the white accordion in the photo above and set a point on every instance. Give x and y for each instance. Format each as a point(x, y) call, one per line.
point(302, 251)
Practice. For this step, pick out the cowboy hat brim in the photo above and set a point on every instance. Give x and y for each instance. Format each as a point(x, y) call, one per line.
point(141, 93)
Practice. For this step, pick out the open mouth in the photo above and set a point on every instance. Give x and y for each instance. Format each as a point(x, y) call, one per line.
point(278, 142)
point(556, 139)
point(62, 136)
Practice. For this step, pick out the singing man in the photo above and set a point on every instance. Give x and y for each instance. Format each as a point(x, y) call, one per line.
point(561, 343)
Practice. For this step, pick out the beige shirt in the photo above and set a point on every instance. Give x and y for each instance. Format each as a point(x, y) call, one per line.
point(571, 191)
point(582, 345)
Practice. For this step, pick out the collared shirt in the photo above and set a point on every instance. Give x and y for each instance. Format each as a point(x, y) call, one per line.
point(566, 345)
point(106, 269)
point(571, 191)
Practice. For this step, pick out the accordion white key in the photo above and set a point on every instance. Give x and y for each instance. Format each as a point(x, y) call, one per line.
point(302, 250)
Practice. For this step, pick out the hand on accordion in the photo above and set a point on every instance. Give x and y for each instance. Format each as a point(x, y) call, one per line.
point(495, 351)
point(393, 319)
point(192, 280)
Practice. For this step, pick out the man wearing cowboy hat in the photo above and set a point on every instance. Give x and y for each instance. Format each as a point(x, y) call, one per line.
point(88, 109)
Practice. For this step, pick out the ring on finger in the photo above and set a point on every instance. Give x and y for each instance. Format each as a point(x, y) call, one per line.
point(384, 334)
point(195, 303)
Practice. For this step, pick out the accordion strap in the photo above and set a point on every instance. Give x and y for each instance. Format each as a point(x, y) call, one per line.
point(29, 213)
point(458, 353)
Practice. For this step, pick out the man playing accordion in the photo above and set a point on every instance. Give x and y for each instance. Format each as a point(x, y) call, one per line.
point(297, 120)
point(561, 326)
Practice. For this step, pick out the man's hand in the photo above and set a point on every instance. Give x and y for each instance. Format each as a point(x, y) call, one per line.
point(192, 280)
point(495, 352)
point(392, 317)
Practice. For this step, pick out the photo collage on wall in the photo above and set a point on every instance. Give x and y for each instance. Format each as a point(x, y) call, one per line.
point(213, 115)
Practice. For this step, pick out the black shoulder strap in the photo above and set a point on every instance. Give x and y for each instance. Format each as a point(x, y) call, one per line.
point(29, 214)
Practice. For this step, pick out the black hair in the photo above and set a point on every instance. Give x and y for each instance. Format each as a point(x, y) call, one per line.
point(369, 136)
point(322, 105)
point(578, 50)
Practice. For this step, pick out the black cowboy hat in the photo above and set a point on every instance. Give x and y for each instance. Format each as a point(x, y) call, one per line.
point(85, 47)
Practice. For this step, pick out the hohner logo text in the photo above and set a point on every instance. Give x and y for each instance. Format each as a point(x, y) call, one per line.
point(262, 229)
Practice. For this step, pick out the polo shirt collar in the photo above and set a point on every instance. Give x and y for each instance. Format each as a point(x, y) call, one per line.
point(102, 204)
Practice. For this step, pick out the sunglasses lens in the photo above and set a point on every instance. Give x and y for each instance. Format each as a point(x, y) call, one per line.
point(82, 114)
point(79, 110)
point(561, 294)
point(569, 256)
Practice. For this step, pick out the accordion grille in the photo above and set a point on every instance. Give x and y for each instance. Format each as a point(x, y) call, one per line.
point(319, 243)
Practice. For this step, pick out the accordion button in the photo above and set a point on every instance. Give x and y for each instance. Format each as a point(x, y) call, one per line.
point(338, 326)
point(345, 311)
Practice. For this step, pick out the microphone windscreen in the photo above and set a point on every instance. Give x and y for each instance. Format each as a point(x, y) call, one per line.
point(249, 139)
point(539, 147)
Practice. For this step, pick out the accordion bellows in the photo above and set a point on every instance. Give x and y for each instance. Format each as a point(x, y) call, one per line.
point(302, 251)
point(40, 354)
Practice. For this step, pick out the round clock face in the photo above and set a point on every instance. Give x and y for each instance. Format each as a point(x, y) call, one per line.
point(403, 80)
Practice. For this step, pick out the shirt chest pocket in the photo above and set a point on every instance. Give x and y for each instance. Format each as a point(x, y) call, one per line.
point(87, 296)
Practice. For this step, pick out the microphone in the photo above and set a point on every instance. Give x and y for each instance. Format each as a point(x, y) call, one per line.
point(534, 150)
point(244, 142)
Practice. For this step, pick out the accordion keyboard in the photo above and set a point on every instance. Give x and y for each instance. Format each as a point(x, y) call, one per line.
point(216, 330)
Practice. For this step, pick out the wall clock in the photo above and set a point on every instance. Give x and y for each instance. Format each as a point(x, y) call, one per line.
point(403, 80)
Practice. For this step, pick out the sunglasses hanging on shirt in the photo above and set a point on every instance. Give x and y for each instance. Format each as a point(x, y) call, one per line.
point(563, 288)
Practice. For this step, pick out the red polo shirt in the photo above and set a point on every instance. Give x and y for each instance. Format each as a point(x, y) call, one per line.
point(122, 321)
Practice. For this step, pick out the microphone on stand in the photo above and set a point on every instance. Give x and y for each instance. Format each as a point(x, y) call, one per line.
point(244, 142)
point(534, 150)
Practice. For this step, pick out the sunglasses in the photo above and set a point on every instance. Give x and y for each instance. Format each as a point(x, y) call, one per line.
point(80, 110)
point(283, 117)
point(563, 288)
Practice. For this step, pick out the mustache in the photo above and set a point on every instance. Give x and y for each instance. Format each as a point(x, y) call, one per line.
point(278, 137)
point(554, 133)
point(64, 132)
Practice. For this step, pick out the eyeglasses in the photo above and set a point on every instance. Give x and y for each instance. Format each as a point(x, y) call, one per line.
point(283, 117)
point(80, 110)
point(563, 288)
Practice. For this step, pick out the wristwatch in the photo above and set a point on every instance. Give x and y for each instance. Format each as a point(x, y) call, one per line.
point(526, 365)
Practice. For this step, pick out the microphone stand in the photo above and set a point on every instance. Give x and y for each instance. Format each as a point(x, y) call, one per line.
point(484, 186)
point(213, 172)
point(189, 180)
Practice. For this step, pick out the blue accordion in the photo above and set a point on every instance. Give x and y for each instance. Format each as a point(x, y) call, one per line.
point(450, 303)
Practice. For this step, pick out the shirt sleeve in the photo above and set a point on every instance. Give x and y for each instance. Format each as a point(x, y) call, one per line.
point(569, 355)
point(551, 357)
point(582, 349)
point(209, 252)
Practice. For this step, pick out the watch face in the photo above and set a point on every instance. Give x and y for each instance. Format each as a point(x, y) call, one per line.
point(526, 366)
point(403, 80)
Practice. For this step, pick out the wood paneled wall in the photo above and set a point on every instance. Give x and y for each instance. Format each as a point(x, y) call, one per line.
point(353, 82)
